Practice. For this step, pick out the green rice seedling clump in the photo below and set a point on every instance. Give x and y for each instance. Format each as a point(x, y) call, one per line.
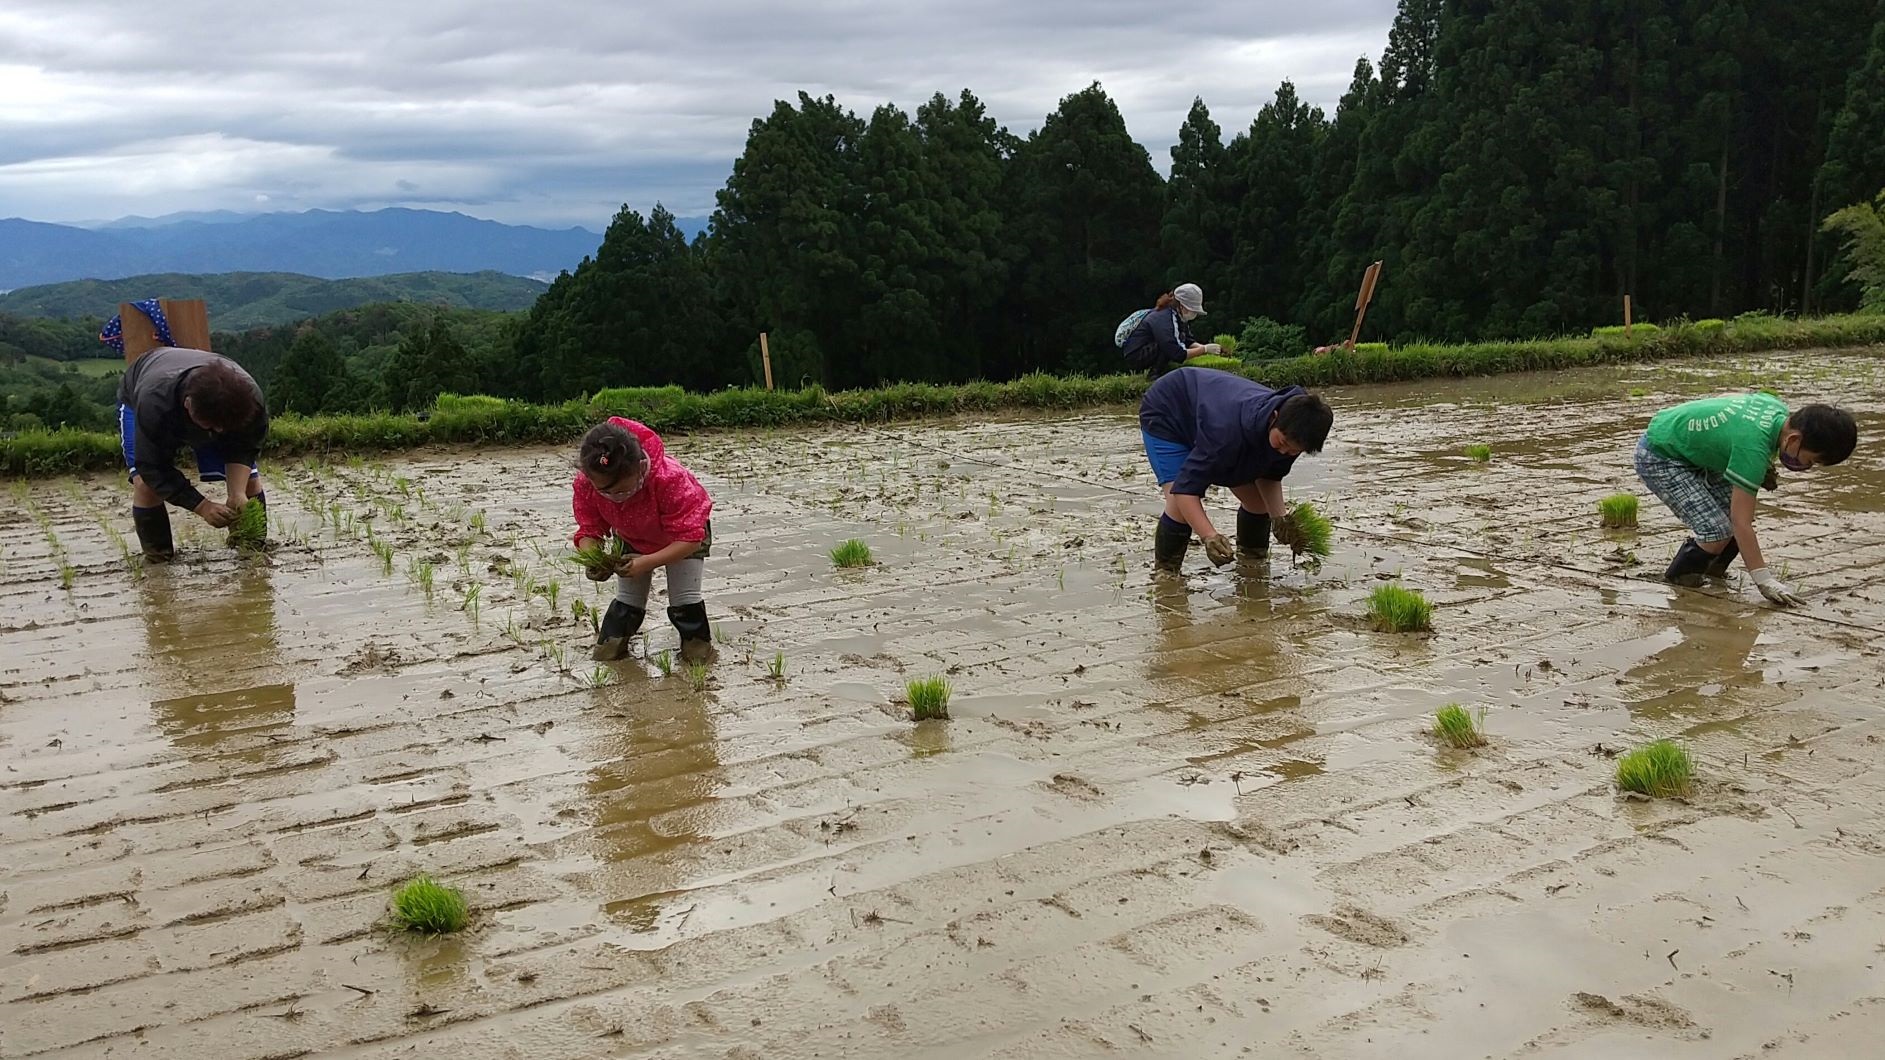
point(1659, 770)
point(607, 554)
point(1617, 331)
point(1396, 609)
point(850, 554)
point(929, 697)
point(1618, 511)
point(250, 530)
point(1479, 453)
point(1458, 727)
point(429, 907)
point(1307, 530)
point(1208, 360)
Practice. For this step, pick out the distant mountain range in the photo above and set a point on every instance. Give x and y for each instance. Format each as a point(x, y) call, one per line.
point(322, 243)
point(242, 300)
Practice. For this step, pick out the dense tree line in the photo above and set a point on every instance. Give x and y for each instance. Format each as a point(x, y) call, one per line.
point(394, 355)
point(1518, 165)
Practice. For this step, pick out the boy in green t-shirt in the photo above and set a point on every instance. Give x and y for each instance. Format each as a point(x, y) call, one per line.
point(1708, 459)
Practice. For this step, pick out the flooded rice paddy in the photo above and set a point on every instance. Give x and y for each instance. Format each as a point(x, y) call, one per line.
point(1176, 819)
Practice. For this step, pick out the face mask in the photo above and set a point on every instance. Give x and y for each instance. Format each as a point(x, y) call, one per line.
point(618, 497)
point(1792, 462)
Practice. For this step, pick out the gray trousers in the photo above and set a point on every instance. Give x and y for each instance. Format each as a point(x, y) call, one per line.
point(684, 577)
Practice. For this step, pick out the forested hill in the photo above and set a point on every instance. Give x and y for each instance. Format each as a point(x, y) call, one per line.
point(241, 300)
point(330, 243)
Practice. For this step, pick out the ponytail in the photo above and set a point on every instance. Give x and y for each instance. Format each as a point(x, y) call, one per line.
point(608, 450)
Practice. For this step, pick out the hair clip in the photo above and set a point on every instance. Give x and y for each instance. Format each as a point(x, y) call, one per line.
point(603, 460)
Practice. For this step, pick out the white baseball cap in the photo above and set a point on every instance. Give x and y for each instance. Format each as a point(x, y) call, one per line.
point(1190, 297)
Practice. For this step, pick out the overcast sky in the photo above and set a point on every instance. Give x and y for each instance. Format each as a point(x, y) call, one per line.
point(555, 112)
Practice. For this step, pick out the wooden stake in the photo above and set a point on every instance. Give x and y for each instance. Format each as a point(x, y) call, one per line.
point(765, 357)
point(189, 326)
point(1368, 281)
point(189, 322)
point(1628, 323)
point(140, 335)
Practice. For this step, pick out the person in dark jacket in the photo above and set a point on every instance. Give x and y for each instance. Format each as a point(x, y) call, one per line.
point(1162, 339)
point(174, 397)
point(1205, 428)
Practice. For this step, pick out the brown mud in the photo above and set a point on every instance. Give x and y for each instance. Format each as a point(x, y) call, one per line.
point(1186, 818)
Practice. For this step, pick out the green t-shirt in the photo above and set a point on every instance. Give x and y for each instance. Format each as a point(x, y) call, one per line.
point(1732, 436)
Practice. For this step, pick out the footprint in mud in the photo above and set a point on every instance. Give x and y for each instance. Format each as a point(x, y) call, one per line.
point(372, 659)
point(1358, 925)
point(1634, 1009)
point(1074, 787)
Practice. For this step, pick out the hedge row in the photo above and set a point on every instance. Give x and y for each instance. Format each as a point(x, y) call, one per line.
point(670, 409)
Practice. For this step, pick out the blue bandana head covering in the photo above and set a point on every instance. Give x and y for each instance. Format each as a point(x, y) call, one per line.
point(113, 335)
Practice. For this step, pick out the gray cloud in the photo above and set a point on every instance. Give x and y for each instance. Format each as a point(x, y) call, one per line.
point(557, 111)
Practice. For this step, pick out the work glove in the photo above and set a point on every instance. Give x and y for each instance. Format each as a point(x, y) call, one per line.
point(1776, 591)
point(1209, 349)
point(1218, 548)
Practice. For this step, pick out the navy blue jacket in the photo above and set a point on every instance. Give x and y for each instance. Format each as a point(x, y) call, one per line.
point(1224, 419)
point(1161, 339)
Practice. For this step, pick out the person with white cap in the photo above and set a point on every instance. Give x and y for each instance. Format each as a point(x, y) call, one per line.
point(1160, 338)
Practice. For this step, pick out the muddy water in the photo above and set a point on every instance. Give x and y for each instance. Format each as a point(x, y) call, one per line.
point(1187, 818)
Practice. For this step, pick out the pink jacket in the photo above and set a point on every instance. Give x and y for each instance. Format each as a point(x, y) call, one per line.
point(670, 506)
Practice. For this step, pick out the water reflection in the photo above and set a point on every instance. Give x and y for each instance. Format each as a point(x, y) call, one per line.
point(1233, 638)
point(195, 636)
point(1170, 597)
point(651, 806)
point(1711, 654)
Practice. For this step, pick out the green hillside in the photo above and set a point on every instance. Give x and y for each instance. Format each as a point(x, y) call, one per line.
point(240, 300)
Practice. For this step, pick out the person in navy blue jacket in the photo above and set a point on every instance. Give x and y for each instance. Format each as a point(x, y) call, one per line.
point(1205, 428)
point(1162, 339)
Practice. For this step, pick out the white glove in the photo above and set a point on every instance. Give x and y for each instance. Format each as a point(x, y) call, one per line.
point(1210, 349)
point(1774, 589)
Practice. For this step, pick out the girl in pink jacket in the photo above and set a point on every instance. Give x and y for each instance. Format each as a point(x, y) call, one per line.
point(629, 486)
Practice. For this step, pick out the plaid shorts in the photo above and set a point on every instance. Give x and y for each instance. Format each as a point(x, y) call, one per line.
point(1699, 497)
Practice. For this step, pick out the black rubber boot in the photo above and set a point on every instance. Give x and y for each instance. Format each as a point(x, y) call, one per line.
point(1718, 566)
point(1170, 544)
point(1690, 562)
point(1253, 535)
point(620, 623)
point(153, 533)
point(690, 621)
